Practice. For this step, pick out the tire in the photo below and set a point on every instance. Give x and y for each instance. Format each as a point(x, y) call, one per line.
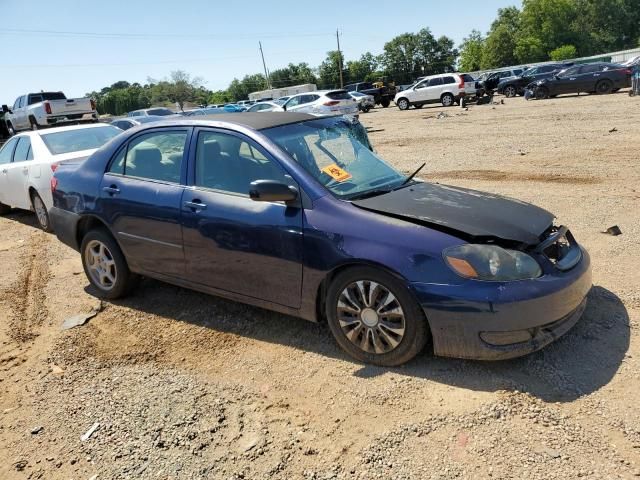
point(604, 87)
point(447, 100)
point(366, 109)
point(385, 102)
point(105, 265)
point(418, 106)
point(10, 129)
point(510, 91)
point(400, 336)
point(4, 209)
point(42, 214)
point(403, 104)
point(33, 123)
point(542, 93)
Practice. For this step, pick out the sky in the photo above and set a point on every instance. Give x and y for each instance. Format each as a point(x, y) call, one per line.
point(79, 46)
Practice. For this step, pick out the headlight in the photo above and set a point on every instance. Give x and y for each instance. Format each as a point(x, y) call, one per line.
point(491, 263)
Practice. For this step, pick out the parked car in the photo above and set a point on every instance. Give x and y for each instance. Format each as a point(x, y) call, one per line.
point(446, 88)
point(321, 102)
point(27, 162)
point(46, 109)
point(197, 112)
point(156, 111)
point(489, 81)
point(382, 94)
point(293, 213)
point(263, 107)
point(233, 108)
point(512, 86)
point(127, 123)
point(282, 100)
point(365, 102)
point(597, 77)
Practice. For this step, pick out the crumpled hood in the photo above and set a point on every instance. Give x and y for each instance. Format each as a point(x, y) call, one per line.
point(469, 213)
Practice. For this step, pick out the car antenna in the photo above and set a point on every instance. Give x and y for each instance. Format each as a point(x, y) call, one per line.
point(410, 177)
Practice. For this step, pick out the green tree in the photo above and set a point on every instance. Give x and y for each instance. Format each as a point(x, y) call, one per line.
point(329, 70)
point(362, 69)
point(471, 50)
point(565, 52)
point(500, 44)
point(240, 89)
point(292, 75)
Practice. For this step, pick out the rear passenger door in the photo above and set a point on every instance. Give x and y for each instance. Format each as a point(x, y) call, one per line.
point(18, 174)
point(588, 77)
point(141, 198)
point(6, 157)
point(434, 89)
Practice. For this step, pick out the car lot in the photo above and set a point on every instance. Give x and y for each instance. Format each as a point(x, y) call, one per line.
point(185, 385)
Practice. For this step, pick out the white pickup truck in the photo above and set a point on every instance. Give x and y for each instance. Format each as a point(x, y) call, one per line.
point(47, 109)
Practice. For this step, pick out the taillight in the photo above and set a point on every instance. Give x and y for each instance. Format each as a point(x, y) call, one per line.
point(54, 166)
point(93, 104)
point(54, 180)
point(47, 108)
point(461, 84)
point(628, 71)
point(331, 103)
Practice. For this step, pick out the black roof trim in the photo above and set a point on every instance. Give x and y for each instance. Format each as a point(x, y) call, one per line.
point(254, 120)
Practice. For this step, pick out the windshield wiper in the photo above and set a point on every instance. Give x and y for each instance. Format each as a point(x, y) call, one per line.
point(410, 177)
point(370, 193)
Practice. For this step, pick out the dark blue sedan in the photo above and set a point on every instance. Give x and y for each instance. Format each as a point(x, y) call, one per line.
point(296, 214)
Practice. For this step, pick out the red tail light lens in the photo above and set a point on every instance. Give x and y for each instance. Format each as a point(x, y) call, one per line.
point(461, 84)
point(54, 180)
point(331, 104)
point(47, 108)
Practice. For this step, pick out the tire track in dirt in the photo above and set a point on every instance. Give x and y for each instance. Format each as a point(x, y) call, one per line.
point(26, 297)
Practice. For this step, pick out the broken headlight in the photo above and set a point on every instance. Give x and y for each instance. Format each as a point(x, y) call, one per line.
point(491, 263)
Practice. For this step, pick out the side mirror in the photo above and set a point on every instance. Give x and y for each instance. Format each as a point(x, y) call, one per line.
point(5, 109)
point(272, 191)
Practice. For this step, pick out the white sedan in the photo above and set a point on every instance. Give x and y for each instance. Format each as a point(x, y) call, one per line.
point(28, 160)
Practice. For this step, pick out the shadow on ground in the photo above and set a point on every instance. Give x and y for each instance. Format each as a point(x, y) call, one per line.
point(581, 362)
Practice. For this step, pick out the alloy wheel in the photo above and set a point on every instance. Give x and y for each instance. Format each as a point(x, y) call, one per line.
point(101, 265)
point(41, 211)
point(371, 317)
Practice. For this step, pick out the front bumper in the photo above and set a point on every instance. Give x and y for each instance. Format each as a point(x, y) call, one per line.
point(496, 321)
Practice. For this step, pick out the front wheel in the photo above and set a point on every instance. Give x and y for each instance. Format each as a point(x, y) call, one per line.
point(385, 102)
point(42, 214)
point(418, 106)
point(510, 91)
point(542, 93)
point(403, 104)
point(11, 129)
point(447, 100)
point(374, 317)
point(105, 265)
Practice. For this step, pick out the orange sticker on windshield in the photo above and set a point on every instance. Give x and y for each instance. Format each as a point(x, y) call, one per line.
point(337, 173)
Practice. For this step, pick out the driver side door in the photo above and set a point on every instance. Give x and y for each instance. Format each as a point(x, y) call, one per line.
point(231, 242)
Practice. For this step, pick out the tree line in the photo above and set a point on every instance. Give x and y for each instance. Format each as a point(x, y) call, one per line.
point(541, 30)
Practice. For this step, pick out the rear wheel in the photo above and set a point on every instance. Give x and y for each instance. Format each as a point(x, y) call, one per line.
point(419, 106)
point(385, 102)
point(374, 317)
point(603, 87)
point(4, 209)
point(447, 100)
point(41, 212)
point(105, 265)
point(403, 104)
point(510, 91)
point(33, 123)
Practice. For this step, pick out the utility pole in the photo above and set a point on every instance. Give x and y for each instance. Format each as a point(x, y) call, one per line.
point(266, 73)
point(339, 59)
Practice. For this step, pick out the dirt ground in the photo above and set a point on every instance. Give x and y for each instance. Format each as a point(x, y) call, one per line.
point(183, 385)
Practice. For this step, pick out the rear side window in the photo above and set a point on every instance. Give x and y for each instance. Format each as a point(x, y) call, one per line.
point(34, 99)
point(79, 139)
point(6, 152)
point(23, 150)
point(591, 69)
point(448, 80)
point(153, 156)
point(467, 78)
point(340, 95)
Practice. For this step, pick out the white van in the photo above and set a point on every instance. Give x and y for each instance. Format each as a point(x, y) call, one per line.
point(445, 88)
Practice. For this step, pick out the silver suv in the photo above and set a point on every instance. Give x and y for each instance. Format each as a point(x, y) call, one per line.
point(321, 102)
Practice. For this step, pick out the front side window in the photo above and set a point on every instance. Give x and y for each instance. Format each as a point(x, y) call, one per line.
point(153, 156)
point(79, 139)
point(23, 150)
point(229, 163)
point(6, 152)
point(333, 152)
point(294, 101)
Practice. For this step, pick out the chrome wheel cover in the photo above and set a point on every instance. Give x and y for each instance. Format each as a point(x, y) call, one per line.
point(371, 317)
point(41, 211)
point(100, 265)
point(447, 101)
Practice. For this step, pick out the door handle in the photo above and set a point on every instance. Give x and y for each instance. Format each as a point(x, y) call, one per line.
point(4, 170)
point(195, 206)
point(111, 190)
point(25, 170)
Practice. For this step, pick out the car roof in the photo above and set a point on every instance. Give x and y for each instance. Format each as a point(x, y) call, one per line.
point(64, 129)
point(253, 120)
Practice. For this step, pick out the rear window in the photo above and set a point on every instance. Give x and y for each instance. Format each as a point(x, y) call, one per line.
point(159, 111)
point(467, 78)
point(339, 95)
point(53, 96)
point(79, 139)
